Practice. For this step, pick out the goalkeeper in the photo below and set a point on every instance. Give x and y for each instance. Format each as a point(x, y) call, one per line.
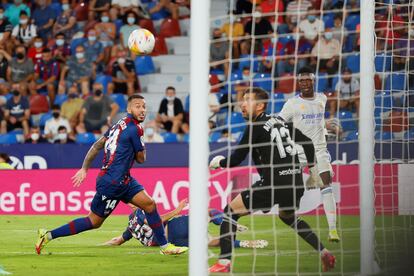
point(176, 229)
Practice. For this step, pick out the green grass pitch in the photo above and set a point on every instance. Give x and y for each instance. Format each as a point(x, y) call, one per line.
point(82, 255)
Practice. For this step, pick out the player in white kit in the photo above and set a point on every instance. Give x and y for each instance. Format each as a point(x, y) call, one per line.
point(307, 112)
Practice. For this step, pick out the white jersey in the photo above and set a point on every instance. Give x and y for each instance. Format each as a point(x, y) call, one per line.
point(307, 115)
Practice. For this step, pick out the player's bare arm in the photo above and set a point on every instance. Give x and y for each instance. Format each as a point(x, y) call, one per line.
point(141, 156)
point(80, 175)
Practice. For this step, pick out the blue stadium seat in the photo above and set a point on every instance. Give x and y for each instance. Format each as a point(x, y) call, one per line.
point(384, 136)
point(118, 25)
point(409, 134)
point(144, 65)
point(163, 13)
point(9, 138)
point(44, 118)
point(85, 138)
point(246, 61)
point(352, 21)
point(383, 63)
point(57, 8)
point(328, 19)
point(352, 62)
point(383, 99)
point(285, 39)
point(104, 80)
point(396, 81)
point(335, 80)
point(352, 136)
point(214, 136)
point(263, 81)
point(119, 99)
point(349, 43)
point(237, 122)
point(276, 103)
point(186, 138)
point(347, 120)
point(16, 131)
point(187, 104)
point(321, 83)
point(60, 99)
point(217, 71)
point(75, 43)
point(169, 137)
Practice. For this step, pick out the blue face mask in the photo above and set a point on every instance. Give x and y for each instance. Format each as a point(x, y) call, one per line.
point(131, 20)
point(105, 19)
point(65, 7)
point(328, 36)
point(1, 16)
point(311, 18)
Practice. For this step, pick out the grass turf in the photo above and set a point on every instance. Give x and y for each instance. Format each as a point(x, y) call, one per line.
point(82, 255)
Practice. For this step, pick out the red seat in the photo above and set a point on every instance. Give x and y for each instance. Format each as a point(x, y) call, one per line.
point(286, 84)
point(214, 81)
point(81, 10)
point(147, 24)
point(170, 27)
point(38, 104)
point(160, 47)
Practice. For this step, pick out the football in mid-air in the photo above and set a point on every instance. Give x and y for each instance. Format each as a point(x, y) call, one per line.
point(141, 42)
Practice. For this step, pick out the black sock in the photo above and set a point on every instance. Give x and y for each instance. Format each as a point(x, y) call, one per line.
point(304, 230)
point(228, 230)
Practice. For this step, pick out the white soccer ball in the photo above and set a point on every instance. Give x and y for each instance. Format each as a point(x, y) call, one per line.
point(141, 42)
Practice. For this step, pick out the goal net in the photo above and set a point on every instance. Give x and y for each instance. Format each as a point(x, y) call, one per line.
point(265, 44)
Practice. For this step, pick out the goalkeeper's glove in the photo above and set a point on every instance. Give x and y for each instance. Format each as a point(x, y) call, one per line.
point(215, 162)
point(314, 181)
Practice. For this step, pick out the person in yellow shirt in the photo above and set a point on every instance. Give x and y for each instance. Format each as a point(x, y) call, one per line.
point(5, 162)
point(234, 29)
point(71, 109)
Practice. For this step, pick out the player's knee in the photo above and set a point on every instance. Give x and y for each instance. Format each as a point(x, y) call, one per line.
point(288, 217)
point(229, 212)
point(149, 205)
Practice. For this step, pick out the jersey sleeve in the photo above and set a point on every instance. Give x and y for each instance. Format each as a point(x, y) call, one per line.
point(127, 235)
point(287, 112)
point(303, 140)
point(136, 135)
point(240, 153)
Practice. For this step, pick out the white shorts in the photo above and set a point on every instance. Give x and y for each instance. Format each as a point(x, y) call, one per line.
point(323, 160)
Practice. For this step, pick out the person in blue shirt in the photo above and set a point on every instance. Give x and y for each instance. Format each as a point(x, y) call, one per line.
point(122, 145)
point(44, 17)
point(13, 11)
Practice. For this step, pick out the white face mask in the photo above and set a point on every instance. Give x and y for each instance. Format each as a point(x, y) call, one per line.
point(35, 136)
point(121, 60)
point(80, 55)
point(23, 21)
point(105, 19)
point(65, 7)
point(38, 44)
point(149, 131)
point(60, 42)
point(170, 99)
point(62, 136)
point(131, 20)
point(92, 38)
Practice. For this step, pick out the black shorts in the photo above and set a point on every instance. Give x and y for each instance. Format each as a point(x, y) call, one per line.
point(263, 197)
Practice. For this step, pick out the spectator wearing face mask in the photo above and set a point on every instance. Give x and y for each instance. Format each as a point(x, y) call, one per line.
point(46, 74)
point(5, 60)
point(219, 52)
point(106, 32)
point(123, 75)
point(97, 112)
point(14, 10)
point(61, 49)
point(63, 136)
point(311, 26)
point(44, 17)
point(5, 31)
point(151, 134)
point(35, 52)
point(16, 113)
point(97, 6)
point(170, 115)
point(94, 50)
point(328, 51)
point(52, 125)
point(21, 69)
point(35, 136)
point(5, 162)
point(24, 32)
point(79, 71)
point(66, 21)
point(71, 108)
point(127, 28)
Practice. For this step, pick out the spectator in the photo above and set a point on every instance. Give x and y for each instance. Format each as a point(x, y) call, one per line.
point(346, 94)
point(5, 162)
point(226, 136)
point(13, 12)
point(98, 6)
point(24, 32)
point(296, 11)
point(237, 31)
point(241, 85)
point(61, 49)
point(262, 26)
point(44, 17)
point(35, 136)
point(151, 134)
point(214, 108)
point(80, 71)
point(123, 75)
point(35, 52)
point(328, 51)
point(106, 31)
point(5, 31)
point(311, 26)
point(122, 7)
point(5, 60)
point(21, 69)
point(171, 113)
point(270, 6)
point(219, 52)
point(52, 125)
point(97, 112)
point(168, 5)
point(63, 136)
point(71, 109)
point(338, 30)
point(66, 21)
point(46, 74)
point(127, 28)
point(94, 50)
point(17, 112)
point(244, 7)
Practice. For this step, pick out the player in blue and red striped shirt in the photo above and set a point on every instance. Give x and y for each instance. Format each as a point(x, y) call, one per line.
point(122, 145)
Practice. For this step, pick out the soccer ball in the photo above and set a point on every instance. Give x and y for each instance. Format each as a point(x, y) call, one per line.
point(141, 42)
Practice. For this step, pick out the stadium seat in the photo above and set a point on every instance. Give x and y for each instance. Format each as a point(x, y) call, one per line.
point(383, 63)
point(38, 104)
point(352, 21)
point(321, 83)
point(396, 81)
point(118, 24)
point(383, 99)
point(144, 65)
point(352, 136)
point(352, 62)
point(286, 84)
point(186, 138)
point(160, 47)
point(347, 120)
point(85, 138)
point(216, 71)
point(215, 136)
point(246, 61)
point(276, 103)
point(237, 122)
point(328, 19)
point(44, 118)
point(16, 131)
point(169, 137)
point(409, 135)
point(335, 80)
point(163, 13)
point(187, 104)
point(104, 80)
point(170, 27)
point(60, 99)
point(119, 99)
point(285, 39)
point(263, 81)
point(214, 81)
point(384, 136)
point(8, 138)
point(81, 11)
point(349, 43)
point(57, 8)
point(147, 24)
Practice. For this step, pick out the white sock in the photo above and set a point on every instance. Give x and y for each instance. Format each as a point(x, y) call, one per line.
point(329, 205)
point(49, 236)
point(164, 246)
point(224, 261)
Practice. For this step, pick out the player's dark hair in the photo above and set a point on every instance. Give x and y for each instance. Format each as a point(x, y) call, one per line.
point(260, 95)
point(135, 96)
point(306, 70)
point(5, 157)
point(170, 87)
